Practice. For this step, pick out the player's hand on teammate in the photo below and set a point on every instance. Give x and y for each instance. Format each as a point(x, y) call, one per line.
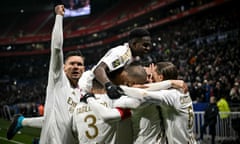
point(59, 9)
point(180, 84)
point(113, 91)
point(86, 96)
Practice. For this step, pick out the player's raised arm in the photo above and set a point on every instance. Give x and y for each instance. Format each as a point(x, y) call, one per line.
point(56, 60)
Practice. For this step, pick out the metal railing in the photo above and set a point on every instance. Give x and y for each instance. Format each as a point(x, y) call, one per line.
point(225, 128)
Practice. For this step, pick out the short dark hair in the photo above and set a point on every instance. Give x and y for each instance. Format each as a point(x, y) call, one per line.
point(136, 72)
point(73, 53)
point(138, 33)
point(96, 84)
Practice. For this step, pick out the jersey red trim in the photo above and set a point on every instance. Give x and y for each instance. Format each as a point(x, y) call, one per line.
point(124, 112)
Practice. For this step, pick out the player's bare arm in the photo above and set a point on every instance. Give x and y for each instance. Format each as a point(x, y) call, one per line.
point(101, 73)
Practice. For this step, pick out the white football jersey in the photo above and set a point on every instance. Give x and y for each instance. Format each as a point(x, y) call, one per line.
point(89, 128)
point(178, 116)
point(145, 119)
point(177, 112)
point(61, 98)
point(117, 57)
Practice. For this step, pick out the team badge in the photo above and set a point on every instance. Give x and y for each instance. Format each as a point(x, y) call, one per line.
point(116, 63)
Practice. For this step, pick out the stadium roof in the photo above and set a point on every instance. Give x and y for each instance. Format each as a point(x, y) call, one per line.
point(26, 5)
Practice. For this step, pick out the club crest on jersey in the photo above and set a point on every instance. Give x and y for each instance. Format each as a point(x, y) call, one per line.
point(116, 63)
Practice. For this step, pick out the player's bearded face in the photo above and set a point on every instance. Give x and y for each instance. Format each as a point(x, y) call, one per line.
point(74, 67)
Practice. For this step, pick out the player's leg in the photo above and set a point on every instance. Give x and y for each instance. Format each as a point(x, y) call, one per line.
point(19, 121)
point(15, 126)
point(35, 122)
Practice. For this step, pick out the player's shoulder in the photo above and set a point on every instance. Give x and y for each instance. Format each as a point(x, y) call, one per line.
point(101, 96)
point(120, 48)
point(104, 99)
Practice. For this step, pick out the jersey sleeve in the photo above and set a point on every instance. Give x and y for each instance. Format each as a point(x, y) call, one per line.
point(166, 97)
point(163, 85)
point(107, 114)
point(128, 102)
point(163, 96)
point(117, 57)
point(56, 59)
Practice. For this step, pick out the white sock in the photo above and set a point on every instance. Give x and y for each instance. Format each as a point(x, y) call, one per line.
point(35, 122)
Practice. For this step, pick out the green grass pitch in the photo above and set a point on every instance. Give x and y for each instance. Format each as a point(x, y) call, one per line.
point(25, 136)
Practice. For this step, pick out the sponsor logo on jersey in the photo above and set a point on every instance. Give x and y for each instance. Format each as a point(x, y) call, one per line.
point(72, 104)
point(116, 63)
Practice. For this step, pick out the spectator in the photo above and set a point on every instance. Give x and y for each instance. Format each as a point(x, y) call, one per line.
point(217, 90)
point(210, 119)
point(235, 93)
point(224, 110)
point(223, 106)
point(40, 109)
point(207, 88)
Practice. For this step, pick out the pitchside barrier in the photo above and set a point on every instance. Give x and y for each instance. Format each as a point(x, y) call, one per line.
point(225, 128)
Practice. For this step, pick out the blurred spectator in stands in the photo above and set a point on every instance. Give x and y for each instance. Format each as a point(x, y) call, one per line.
point(40, 109)
point(223, 106)
point(224, 110)
point(197, 92)
point(207, 90)
point(217, 90)
point(235, 93)
point(210, 119)
point(34, 109)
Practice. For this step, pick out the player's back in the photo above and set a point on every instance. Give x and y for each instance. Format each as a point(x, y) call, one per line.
point(90, 128)
point(179, 118)
point(146, 124)
point(145, 119)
